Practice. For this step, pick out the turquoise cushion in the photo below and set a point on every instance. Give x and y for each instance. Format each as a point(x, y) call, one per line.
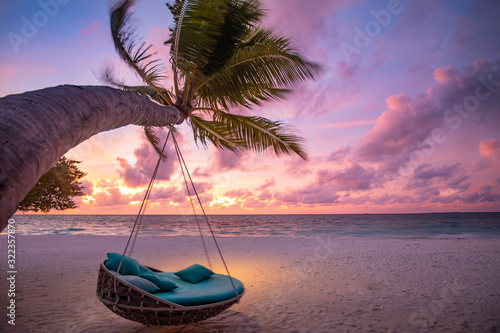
point(161, 280)
point(140, 283)
point(194, 273)
point(144, 270)
point(216, 288)
point(129, 266)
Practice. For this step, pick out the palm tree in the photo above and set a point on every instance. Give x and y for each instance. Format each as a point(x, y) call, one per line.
point(221, 59)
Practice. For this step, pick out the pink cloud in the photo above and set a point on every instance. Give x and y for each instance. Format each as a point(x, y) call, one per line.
point(444, 74)
point(340, 154)
point(490, 148)
point(111, 197)
point(490, 155)
point(354, 177)
point(312, 194)
point(413, 127)
point(398, 131)
point(221, 160)
point(146, 158)
point(87, 186)
point(161, 194)
point(90, 29)
point(253, 203)
point(446, 109)
point(238, 193)
point(301, 20)
point(378, 200)
point(299, 167)
point(227, 160)
point(266, 195)
point(10, 70)
point(202, 187)
point(268, 183)
point(467, 198)
point(452, 176)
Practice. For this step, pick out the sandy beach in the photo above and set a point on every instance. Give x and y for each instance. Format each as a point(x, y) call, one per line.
point(292, 284)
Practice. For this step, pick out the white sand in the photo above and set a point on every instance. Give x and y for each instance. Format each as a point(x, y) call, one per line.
point(292, 285)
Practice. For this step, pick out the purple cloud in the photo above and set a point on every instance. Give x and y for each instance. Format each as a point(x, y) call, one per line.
point(146, 158)
point(88, 187)
point(490, 155)
point(111, 197)
point(90, 29)
point(452, 176)
point(268, 183)
point(340, 154)
point(202, 187)
point(162, 194)
point(227, 160)
point(490, 148)
point(411, 128)
point(302, 22)
point(266, 195)
point(354, 177)
point(238, 193)
point(221, 160)
point(299, 167)
point(254, 203)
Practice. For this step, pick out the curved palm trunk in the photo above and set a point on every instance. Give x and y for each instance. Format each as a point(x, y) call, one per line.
point(38, 127)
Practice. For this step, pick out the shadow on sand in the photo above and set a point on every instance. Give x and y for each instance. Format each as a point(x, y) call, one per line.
point(228, 321)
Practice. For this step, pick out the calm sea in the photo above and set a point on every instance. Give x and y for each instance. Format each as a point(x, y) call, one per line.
point(434, 225)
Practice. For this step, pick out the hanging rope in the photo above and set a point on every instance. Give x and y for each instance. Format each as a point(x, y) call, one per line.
point(178, 151)
point(182, 162)
point(140, 215)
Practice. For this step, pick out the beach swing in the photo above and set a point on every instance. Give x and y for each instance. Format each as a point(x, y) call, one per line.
point(151, 297)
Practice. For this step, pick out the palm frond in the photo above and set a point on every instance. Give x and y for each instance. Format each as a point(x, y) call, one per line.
point(260, 134)
point(194, 34)
point(238, 21)
point(220, 136)
point(206, 33)
point(262, 68)
point(137, 56)
point(155, 141)
point(108, 76)
point(178, 27)
point(156, 94)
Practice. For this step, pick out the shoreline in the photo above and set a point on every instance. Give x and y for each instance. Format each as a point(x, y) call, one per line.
point(292, 284)
point(385, 226)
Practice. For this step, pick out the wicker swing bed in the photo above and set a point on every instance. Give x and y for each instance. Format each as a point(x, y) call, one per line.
point(131, 302)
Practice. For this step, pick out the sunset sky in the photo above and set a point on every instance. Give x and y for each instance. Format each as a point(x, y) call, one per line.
point(405, 118)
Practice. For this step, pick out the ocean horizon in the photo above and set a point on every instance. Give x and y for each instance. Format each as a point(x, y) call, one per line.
point(385, 226)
